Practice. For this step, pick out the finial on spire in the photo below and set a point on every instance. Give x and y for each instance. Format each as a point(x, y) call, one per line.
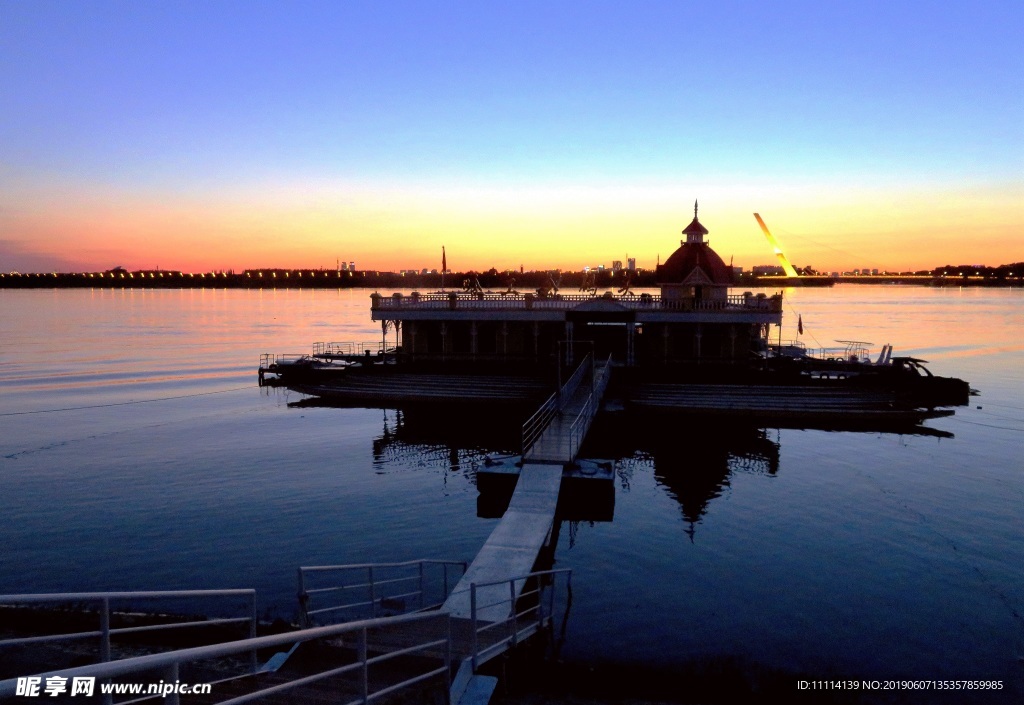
point(695, 208)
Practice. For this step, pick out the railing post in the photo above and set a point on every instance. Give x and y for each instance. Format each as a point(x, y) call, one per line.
point(108, 698)
point(105, 631)
point(514, 616)
point(551, 598)
point(472, 616)
point(253, 663)
point(303, 601)
point(366, 667)
point(448, 654)
point(421, 585)
point(172, 678)
point(373, 592)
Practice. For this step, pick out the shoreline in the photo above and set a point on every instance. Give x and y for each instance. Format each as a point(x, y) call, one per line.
point(500, 282)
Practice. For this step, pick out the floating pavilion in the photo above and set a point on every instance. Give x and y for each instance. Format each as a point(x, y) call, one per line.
point(694, 318)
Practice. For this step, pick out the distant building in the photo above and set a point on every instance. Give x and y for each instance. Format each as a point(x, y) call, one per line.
point(631, 264)
point(768, 270)
point(617, 265)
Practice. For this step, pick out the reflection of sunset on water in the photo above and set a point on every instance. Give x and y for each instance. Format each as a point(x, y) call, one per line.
point(787, 548)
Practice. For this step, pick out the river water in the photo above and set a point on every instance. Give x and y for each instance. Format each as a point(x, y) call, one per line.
point(138, 453)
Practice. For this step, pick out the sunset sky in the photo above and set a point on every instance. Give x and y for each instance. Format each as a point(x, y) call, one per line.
point(217, 135)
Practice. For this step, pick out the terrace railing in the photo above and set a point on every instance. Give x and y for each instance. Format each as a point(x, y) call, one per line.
point(516, 300)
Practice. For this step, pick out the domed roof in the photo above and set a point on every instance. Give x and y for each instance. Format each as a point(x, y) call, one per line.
point(694, 263)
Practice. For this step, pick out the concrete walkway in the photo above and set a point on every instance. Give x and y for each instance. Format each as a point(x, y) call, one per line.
point(512, 548)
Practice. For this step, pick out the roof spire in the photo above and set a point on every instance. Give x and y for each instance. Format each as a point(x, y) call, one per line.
point(695, 209)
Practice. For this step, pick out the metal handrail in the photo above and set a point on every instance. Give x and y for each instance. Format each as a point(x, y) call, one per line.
point(581, 424)
point(535, 425)
point(569, 388)
point(373, 577)
point(169, 662)
point(513, 620)
point(348, 347)
point(268, 359)
point(105, 632)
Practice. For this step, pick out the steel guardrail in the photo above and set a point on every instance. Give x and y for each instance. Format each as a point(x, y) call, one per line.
point(534, 426)
point(516, 630)
point(104, 600)
point(168, 663)
point(375, 584)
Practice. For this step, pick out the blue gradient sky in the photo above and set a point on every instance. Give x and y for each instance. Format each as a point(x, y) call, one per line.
point(213, 135)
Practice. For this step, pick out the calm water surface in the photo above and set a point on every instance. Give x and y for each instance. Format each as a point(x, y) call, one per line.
point(137, 452)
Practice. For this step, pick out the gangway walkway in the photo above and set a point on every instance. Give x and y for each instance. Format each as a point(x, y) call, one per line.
point(559, 442)
point(512, 548)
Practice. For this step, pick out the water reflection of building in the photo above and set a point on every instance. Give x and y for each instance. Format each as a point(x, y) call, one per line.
point(693, 461)
point(702, 473)
point(420, 437)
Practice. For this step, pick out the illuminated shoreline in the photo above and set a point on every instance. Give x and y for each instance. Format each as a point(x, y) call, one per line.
point(524, 281)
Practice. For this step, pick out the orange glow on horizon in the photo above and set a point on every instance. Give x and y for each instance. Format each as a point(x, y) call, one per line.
point(539, 229)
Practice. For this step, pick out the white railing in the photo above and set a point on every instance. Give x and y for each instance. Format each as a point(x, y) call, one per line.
point(433, 630)
point(348, 348)
point(569, 388)
point(853, 351)
point(581, 424)
point(103, 601)
point(516, 300)
point(536, 424)
point(374, 589)
point(526, 610)
point(268, 359)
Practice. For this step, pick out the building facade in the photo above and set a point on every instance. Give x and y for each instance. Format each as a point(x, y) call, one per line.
point(692, 319)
